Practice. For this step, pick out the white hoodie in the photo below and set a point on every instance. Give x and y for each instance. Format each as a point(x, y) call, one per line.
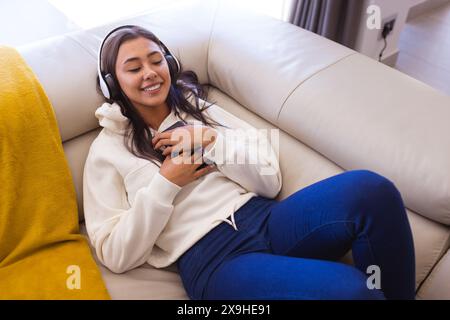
point(134, 215)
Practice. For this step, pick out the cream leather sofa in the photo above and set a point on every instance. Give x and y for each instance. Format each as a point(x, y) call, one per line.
point(337, 110)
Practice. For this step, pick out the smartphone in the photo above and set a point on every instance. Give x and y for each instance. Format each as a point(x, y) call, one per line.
point(182, 124)
point(176, 125)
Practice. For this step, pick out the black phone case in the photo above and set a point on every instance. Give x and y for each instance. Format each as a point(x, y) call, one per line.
point(176, 125)
point(182, 124)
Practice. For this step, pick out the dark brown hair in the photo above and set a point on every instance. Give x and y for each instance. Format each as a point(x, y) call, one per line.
point(183, 85)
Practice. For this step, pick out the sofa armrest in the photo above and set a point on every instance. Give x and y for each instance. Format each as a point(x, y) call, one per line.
point(259, 60)
point(362, 114)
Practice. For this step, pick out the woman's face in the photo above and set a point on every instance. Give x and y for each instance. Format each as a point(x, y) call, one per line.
point(140, 67)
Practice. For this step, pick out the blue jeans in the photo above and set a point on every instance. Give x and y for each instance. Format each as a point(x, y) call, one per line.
point(289, 249)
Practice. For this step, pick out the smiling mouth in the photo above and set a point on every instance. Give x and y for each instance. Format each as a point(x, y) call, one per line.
point(152, 89)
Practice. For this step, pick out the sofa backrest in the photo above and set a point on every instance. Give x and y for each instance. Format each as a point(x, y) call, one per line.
point(353, 110)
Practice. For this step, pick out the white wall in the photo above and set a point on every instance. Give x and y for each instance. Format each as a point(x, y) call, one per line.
point(368, 41)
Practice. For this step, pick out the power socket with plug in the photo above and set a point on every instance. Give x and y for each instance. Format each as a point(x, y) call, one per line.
point(387, 27)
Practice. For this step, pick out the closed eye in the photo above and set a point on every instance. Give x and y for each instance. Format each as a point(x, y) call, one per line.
point(137, 69)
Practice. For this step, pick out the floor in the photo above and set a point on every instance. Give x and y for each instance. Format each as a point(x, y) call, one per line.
point(425, 48)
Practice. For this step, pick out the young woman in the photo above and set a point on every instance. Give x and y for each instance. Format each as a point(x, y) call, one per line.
point(219, 221)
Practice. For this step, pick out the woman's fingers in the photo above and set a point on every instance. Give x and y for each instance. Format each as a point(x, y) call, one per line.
point(173, 151)
point(168, 151)
point(162, 135)
point(164, 142)
point(178, 136)
point(181, 157)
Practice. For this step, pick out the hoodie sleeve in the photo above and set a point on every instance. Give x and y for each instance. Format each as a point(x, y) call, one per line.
point(122, 235)
point(243, 154)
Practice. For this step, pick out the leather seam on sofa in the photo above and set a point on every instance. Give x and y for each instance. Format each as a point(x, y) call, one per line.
point(308, 78)
point(69, 36)
point(438, 252)
point(210, 39)
point(431, 275)
point(82, 134)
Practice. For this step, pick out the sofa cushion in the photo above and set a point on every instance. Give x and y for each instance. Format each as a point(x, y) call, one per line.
point(143, 283)
point(437, 286)
point(67, 73)
point(259, 60)
point(76, 151)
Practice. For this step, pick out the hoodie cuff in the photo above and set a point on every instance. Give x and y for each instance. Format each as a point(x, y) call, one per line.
point(164, 189)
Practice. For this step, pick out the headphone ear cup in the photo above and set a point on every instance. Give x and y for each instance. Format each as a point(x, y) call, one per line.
point(113, 92)
point(173, 67)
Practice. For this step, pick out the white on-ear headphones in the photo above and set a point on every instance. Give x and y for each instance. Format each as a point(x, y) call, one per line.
point(108, 85)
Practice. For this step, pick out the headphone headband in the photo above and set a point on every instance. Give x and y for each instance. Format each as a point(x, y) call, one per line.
point(107, 81)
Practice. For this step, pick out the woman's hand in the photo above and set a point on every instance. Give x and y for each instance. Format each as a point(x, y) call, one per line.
point(182, 169)
point(186, 138)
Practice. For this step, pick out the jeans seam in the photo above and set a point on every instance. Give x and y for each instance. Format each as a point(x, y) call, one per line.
point(314, 230)
point(370, 246)
point(363, 234)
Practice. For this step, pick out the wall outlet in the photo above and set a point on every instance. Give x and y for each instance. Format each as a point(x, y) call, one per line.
point(387, 26)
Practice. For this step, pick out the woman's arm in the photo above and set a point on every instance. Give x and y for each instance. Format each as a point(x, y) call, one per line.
point(123, 236)
point(244, 154)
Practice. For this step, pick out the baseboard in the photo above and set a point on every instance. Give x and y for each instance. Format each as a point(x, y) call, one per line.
point(391, 60)
point(424, 7)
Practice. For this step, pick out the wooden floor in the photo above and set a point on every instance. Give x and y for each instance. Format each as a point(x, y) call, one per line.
point(425, 48)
